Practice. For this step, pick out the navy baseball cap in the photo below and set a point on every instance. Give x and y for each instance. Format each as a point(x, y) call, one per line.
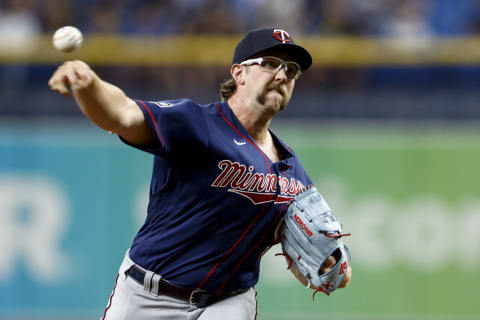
point(259, 40)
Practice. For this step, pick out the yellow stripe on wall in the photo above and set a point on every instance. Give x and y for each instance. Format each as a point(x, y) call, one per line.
point(218, 50)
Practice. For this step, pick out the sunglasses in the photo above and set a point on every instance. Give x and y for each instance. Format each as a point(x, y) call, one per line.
point(274, 64)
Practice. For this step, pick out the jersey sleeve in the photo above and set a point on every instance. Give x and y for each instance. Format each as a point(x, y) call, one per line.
point(179, 125)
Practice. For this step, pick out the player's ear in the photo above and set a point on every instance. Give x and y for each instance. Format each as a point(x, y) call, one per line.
point(237, 74)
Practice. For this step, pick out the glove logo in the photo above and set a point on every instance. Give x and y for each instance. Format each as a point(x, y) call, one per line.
point(343, 267)
point(303, 226)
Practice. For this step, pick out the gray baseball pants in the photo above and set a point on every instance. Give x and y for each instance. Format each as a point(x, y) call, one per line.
point(130, 300)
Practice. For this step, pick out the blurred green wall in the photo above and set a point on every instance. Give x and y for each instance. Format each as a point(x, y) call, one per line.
point(72, 198)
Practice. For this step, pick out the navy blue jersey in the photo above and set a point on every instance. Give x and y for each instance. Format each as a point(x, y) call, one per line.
point(215, 197)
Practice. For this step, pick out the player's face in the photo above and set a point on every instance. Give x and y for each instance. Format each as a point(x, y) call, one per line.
point(270, 87)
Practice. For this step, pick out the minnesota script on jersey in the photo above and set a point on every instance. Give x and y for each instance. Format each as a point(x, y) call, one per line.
point(215, 197)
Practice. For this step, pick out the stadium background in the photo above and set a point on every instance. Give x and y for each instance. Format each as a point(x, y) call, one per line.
point(386, 122)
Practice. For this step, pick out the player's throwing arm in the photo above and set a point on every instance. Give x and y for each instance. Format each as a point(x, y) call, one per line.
point(103, 103)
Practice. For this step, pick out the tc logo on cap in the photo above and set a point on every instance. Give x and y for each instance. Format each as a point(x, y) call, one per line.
point(281, 35)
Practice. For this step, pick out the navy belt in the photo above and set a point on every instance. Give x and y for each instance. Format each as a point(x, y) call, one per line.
point(197, 297)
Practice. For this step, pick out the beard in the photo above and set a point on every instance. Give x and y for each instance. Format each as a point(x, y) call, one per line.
point(282, 104)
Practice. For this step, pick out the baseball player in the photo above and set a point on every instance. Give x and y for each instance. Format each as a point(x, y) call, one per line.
point(220, 186)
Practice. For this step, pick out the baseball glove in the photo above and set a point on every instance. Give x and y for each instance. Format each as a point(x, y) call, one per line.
point(311, 234)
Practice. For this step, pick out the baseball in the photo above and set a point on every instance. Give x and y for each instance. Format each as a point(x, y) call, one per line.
point(67, 39)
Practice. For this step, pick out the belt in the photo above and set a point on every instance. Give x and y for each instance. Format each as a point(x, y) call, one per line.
point(197, 297)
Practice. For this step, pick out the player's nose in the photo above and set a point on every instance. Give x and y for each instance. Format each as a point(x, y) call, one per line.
point(281, 75)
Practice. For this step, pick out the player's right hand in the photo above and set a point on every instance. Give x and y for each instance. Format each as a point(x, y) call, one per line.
point(327, 266)
point(76, 75)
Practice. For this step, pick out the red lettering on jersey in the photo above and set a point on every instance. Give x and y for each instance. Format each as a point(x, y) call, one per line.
point(231, 171)
point(300, 187)
point(257, 182)
point(271, 182)
point(292, 187)
point(243, 185)
point(252, 185)
point(283, 185)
